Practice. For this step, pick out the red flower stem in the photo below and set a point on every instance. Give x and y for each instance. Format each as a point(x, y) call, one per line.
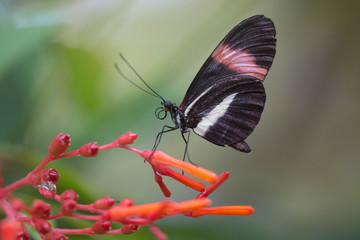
point(79, 216)
point(24, 219)
point(134, 150)
point(55, 216)
point(26, 180)
point(8, 209)
point(157, 232)
point(107, 146)
point(68, 154)
point(86, 217)
point(85, 231)
point(89, 208)
point(115, 231)
point(15, 185)
point(43, 163)
point(117, 145)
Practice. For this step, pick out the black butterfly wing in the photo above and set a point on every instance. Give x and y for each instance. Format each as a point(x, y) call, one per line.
point(249, 48)
point(228, 111)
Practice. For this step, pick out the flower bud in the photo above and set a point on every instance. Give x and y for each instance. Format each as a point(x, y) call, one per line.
point(40, 209)
point(42, 226)
point(101, 227)
point(126, 202)
point(59, 145)
point(55, 236)
point(104, 203)
point(69, 194)
point(68, 207)
point(129, 228)
point(50, 174)
point(17, 204)
point(127, 138)
point(89, 150)
point(24, 235)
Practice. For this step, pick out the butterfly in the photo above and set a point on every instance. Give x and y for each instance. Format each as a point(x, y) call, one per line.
point(225, 100)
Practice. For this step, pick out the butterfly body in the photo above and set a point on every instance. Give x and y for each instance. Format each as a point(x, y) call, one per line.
point(226, 98)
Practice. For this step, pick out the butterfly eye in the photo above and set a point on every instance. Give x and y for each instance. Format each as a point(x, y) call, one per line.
point(166, 105)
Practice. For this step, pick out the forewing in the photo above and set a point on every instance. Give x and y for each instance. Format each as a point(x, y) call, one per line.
point(248, 49)
point(229, 110)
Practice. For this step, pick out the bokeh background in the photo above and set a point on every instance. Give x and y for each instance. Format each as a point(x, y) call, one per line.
point(57, 75)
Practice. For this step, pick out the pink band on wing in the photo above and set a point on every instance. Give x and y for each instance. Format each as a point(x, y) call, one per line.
point(239, 60)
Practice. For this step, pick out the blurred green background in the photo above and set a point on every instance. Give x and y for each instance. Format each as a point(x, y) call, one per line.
point(57, 75)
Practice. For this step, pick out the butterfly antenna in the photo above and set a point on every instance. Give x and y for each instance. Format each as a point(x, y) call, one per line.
point(133, 83)
point(155, 94)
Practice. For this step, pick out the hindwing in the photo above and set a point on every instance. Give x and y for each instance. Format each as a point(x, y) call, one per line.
point(228, 111)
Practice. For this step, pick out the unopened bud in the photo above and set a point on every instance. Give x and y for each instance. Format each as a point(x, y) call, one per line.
point(40, 209)
point(17, 204)
point(101, 227)
point(55, 236)
point(127, 138)
point(50, 174)
point(104, 203)
point(59, 145)
point(69, 194)
point(42, 226)
point(68, 207)
point(126, 202)
point(89, 150)
point(24, 235)
point(129, 228)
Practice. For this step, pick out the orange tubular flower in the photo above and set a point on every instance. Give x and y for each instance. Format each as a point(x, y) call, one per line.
point(162, 185)
point(226, 210)
point(118, 213)
point(196, 185)
point(164, 208)
point(222, 178)
point(192, 204)
point(159, 158)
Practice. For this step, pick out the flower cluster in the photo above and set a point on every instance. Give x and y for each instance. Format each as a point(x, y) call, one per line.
point(106, 210)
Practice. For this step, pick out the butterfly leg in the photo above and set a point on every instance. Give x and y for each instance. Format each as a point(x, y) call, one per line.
point(186, 140)
point(159, 135)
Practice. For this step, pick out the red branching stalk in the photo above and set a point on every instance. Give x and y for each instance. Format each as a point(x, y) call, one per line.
point(104, 211)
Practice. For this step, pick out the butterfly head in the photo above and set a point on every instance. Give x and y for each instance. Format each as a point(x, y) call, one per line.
point(166, 106)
